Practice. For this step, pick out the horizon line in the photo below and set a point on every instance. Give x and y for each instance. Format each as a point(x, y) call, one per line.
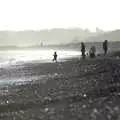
point(13, 30)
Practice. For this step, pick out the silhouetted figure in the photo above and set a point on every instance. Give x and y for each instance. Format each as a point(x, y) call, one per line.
point(105, 46)
point(92, 52)
point(83, 49)
point(55, 57)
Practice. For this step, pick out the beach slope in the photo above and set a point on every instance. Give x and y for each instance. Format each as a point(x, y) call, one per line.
point(72, 90)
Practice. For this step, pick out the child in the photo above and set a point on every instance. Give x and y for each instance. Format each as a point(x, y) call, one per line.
point(92, 52)
point(55, 57)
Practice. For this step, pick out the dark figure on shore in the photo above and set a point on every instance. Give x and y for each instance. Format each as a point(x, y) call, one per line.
point(83, 49)
point(92, 52)
point(55, 57)
point(105, 47)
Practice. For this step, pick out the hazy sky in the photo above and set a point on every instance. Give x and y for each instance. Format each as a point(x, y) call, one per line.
point(40, 14)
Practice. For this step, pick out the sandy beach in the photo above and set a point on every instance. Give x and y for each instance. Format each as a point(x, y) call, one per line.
point(73, 90)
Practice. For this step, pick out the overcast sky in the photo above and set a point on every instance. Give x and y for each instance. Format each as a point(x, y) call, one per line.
point(41, 14)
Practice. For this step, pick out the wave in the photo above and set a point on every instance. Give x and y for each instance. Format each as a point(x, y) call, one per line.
point(12, 57)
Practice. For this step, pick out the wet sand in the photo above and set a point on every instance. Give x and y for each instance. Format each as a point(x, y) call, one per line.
point(73, 90)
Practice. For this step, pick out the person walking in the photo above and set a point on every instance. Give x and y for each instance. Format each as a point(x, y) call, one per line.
point(83, 49)
point(55, 56)
point(105, 47)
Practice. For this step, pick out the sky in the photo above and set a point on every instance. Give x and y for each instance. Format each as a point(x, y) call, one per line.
point(47, 14)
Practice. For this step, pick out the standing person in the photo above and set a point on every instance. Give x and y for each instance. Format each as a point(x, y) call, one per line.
point(105, 47)
point(92, 52)
point(55, 57)
point(83, 49)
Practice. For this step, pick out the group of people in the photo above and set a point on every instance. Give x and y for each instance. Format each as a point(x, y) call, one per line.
point(92, 51)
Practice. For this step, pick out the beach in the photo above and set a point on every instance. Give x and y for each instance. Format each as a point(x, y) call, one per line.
point(75, 89)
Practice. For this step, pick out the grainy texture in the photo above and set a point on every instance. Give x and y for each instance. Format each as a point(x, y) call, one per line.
point(73, 90)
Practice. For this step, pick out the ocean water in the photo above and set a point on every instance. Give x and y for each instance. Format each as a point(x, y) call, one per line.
point(14, 71)
point(12, 57)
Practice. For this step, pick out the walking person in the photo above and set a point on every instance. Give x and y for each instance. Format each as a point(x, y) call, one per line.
point(55, 56)
point(105, 47)
point(83, 49)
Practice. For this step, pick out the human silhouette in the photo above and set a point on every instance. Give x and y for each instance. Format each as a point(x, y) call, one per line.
point(92, 52)
point(105, 47)
point(83, 49)
point(55, 57)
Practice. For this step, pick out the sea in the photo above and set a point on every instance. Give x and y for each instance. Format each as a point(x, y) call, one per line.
point(12, 63)
point(12, 57)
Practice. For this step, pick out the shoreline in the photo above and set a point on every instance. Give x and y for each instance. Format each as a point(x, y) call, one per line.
point(33, 71)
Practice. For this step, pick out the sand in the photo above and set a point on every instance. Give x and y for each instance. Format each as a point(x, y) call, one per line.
point(73, 90)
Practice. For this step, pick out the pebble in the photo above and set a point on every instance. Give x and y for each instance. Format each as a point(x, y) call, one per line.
point(84, 95)
point(116, 108)
point(95, 110)
point(117, 57)
point(46, 109)
point(7, 101)
point(55, 74)
point(84, 106)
